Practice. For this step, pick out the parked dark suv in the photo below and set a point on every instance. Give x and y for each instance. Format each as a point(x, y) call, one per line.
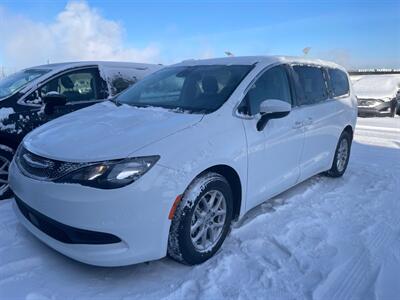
point(34, 96)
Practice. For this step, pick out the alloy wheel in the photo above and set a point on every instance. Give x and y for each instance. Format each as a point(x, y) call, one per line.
point(208, 221)
point(342, 155)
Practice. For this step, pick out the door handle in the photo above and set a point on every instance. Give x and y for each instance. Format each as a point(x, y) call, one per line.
point(297, 125)
point(308, 121)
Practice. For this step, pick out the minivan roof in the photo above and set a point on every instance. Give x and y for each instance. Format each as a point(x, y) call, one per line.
point(250, 60)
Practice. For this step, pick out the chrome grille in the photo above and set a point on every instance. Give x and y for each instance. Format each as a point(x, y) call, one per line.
point(38, 167)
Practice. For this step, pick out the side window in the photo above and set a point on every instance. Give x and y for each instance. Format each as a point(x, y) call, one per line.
point(120, 83)
point(33, 99)
point(120, 78)
point(339, 82)
point(77, 85)
point(313, 84)
point(273, 84)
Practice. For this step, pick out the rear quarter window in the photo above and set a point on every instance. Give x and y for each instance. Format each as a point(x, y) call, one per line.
point(121, 78)
point(339, 82)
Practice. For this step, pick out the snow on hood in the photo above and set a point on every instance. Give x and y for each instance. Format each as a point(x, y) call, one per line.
point(377, 87)
point(105, 131)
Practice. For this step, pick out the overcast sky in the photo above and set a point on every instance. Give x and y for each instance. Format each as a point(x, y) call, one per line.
point(357, 34)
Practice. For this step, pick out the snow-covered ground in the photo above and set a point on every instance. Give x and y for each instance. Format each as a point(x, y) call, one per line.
point(324, 239)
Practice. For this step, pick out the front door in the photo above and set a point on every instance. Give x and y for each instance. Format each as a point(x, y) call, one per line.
point(274, 152)
point(82, 88)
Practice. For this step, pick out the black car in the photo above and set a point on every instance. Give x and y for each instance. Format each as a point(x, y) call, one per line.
point(34, 96)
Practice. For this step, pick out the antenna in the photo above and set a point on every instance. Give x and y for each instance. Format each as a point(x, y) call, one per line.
point(228, 53)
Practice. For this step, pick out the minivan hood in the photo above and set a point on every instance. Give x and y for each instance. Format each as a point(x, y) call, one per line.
point(105, 131)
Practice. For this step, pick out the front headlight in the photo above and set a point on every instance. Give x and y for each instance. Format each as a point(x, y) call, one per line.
point(369, 102)
point(111, 174)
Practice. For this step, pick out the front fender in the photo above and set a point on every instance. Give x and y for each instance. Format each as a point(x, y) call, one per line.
point(206, 144)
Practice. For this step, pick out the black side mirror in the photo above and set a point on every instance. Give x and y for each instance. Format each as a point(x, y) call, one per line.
point(272, 109)
point(52, 100)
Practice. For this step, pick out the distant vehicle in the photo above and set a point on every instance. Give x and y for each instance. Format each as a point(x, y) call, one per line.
point(34, 96)
point(378, 95)
point(175, 158)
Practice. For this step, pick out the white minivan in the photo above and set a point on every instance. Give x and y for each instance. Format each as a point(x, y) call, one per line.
point(167, 165)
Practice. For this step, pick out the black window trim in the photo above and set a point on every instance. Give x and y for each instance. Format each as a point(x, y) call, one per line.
point(39, 85)
point(293, 94)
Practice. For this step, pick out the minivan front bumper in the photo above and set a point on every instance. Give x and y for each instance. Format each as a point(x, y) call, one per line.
point(134, 217)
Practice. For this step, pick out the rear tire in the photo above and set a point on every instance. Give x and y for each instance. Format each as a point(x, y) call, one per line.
point(6, 156)
point(342, 155)
point(202, 220)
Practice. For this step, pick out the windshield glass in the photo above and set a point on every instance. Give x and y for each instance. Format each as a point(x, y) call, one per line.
point(200, 89)
point(13, 83)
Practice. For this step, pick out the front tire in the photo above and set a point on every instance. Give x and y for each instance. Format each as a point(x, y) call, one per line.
point(342, 155)
point(202, 220)
point(6, 156)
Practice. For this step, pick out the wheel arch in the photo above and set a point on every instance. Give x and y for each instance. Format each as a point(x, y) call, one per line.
point(233, 178)
point(8, 141)
point(350, 130)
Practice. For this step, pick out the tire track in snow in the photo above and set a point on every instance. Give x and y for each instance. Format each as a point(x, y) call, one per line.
point(360, 272)
point(363, 269)
point(346, 280)
point(16, 269)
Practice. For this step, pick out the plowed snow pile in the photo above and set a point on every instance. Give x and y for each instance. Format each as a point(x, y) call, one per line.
point(324, 239)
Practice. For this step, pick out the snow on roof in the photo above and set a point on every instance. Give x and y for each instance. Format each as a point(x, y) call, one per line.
point(250, 60)
point(236, 60)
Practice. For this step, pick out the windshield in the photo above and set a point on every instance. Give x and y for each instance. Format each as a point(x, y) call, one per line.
point(200, 89)
point(13, 83)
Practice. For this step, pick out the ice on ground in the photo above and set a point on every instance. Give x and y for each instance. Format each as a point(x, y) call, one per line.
point(324, 239)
